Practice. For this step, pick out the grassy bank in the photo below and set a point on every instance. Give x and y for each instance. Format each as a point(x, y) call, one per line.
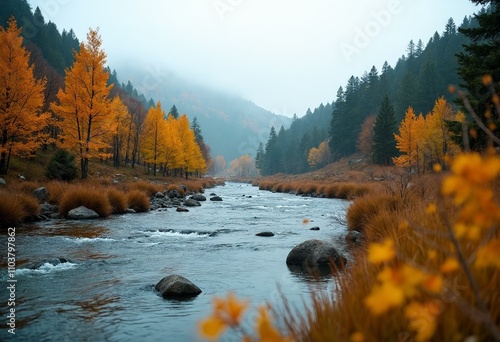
point(428, 266)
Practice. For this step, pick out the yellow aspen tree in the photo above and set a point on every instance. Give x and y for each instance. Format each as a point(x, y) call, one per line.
point(174, 154)
point(406, 142)
point(154, 137)
point(122, 121)
point(421, 143)
point(21, 99)
point(84, 104)
point(192, 156)
point(438, 136)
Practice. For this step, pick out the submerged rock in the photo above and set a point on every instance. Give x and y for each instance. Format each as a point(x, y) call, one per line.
point(82, 213)
point(314, 228)
point(265, 234)
point(313, 253)
point(182, 210)
point(216, 199)
point(176, 286)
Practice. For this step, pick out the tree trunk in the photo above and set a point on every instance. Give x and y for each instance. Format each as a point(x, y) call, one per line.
point(85, 167)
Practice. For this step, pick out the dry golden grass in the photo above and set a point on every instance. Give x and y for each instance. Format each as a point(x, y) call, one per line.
point(146, 187)
point(16, 208)
point(138, 201)
point(118, 201)
point(80, 195)
point(56, 190)
point(399, 214)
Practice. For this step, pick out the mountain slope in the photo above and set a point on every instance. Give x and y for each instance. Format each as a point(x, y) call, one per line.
point(231, 125)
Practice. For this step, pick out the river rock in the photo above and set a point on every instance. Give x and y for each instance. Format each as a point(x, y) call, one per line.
point(314, 228)
point(265, 234)
point(216, 199)
point(2, 181)
point(182, 210)
point(174, 194)
point(41, 194)
point(159, 194)
point(176, 286)
point(192, 203)
point(199, 197)
point(354, 236)
point(82, 213)
point(312, 253)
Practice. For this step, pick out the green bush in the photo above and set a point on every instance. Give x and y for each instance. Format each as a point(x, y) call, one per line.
point(62, 166)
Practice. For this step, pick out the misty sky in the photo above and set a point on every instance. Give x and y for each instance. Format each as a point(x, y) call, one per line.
point(284, 55)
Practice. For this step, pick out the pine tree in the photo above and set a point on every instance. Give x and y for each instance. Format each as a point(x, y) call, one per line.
point(21, 99)
point(84, 104)
point(384, 144)
point(173, 111)
point(481, 58)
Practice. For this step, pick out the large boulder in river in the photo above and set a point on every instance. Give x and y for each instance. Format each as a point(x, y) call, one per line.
point(314, 253)
point(199, 197)
point(176, 286)
point(82, 213)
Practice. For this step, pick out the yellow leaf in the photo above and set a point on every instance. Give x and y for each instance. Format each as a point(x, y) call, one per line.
point(384, 297)
point(422, 320)
point(431, 209)
point(211, 328)
point(379, 253)
point(489, 255)
point(449, 265)
point(434, 283)
point(265, 328)
point(229, 310)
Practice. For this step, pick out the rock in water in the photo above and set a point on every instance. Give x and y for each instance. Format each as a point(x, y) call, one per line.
point(216, 199)
point(176, 286)
point(182, 210)
point(82, 213)
point(265, 234)
point(313, 253)
point(314, 228)
point(191, 203)
point(199, 197)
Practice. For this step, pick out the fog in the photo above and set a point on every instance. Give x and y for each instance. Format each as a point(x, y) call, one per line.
point(284, 55)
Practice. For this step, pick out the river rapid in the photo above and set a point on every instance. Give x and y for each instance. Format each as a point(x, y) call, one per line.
point(103, 290)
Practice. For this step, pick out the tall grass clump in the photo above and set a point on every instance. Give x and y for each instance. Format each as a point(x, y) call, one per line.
point(17, 208)
point(148, 188)
point(118, 201)
point(138, 201)
point(362, 211)
point(80, 195)
point(56, 190)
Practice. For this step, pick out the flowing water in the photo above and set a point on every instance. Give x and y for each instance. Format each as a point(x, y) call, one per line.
point(103, 290)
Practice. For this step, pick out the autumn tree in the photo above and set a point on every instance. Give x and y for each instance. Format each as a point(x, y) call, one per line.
point(365, 137)
point(174, 153)
point(438, 138)
point(218, 165)
point(320, 156)
point(243, 166)
point(84, 104)
point(192, 157)
point(384, 145)
point(122, 121)
point(21, 99)
point(154, 140)
point(411, 142)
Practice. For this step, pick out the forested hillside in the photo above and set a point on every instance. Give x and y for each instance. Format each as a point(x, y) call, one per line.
point(421, 76)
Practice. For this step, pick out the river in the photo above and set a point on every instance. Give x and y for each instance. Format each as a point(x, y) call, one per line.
point(104, 291)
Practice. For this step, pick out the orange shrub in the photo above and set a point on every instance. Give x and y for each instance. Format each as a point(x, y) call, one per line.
point(118, 201)
point(92, 198)
point(56, 190)
point(12, 210)
point(138, 201)
point(148, 188)
point(363, 209)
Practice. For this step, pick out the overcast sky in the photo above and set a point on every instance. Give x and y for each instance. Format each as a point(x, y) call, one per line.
point(284, 55)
